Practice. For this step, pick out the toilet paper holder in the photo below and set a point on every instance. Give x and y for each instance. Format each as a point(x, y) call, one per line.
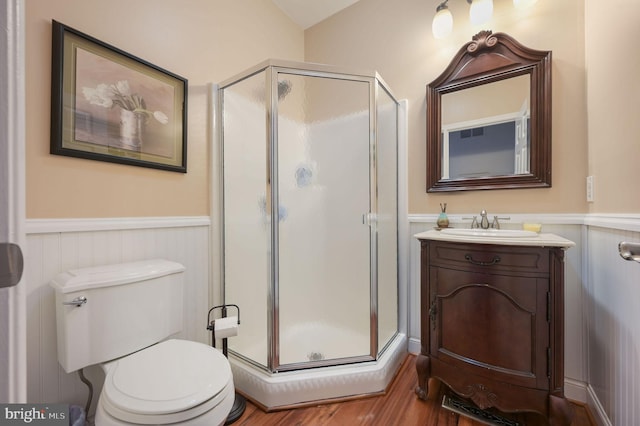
point(629, 251)
point(239, 403)
point(211, 324)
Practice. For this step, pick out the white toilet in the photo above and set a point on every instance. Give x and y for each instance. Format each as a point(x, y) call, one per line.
point(118, 316)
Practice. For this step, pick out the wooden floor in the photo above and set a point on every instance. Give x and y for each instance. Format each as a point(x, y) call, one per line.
point(400, 406)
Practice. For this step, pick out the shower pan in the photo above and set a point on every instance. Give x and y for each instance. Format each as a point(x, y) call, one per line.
point(309, 231)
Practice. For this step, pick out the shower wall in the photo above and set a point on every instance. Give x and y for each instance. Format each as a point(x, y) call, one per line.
point(336, 230)
point(387, 216)
point(246, 227)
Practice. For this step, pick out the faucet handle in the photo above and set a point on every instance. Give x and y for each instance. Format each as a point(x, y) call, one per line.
point(496, 224)
point(474, 221)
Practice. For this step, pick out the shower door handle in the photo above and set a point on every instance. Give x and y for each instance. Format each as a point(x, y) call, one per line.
point(369, 219)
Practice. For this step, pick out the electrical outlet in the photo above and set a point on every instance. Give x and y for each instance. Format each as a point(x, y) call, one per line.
point(590, 188)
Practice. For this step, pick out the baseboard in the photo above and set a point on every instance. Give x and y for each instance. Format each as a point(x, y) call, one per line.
point(575, 390)
point(414, 345)
point(600, 416)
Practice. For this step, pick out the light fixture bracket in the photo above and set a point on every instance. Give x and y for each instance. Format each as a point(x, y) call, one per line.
point(480, 12)
point(443, 6)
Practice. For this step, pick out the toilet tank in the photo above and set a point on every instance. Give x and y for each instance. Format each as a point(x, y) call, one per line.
point(128, 307)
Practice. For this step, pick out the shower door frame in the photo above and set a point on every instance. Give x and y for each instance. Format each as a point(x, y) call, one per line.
point(272, 69)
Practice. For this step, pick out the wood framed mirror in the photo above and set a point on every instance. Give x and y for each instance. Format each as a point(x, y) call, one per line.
point(489, 118)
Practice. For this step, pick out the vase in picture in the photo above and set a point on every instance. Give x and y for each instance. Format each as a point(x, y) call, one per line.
point(132, 125)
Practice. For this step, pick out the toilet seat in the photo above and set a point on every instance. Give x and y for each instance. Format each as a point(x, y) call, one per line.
point(170, 382)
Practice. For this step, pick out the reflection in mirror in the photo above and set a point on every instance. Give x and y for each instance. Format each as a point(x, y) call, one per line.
point(485, 130)
point(489, 118)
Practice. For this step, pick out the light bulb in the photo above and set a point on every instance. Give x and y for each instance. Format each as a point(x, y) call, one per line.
point(521, 4)
point(442, 24)
point(480, 11)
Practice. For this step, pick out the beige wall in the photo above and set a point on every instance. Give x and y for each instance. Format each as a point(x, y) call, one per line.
point(613, 91)
point(202, 40)
point(394, 38)
point(212, 40)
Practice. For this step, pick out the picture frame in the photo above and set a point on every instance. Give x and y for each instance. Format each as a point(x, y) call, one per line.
point(109, 105)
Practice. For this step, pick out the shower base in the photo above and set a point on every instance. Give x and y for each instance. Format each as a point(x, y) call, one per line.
point(293, 388)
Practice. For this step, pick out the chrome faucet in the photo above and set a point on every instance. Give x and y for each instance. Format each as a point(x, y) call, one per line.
point(484, 222)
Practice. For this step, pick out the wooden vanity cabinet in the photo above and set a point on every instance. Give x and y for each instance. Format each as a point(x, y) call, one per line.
point(492, 325)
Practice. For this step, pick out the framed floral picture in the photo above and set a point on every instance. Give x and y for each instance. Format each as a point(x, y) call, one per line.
point(109, 105)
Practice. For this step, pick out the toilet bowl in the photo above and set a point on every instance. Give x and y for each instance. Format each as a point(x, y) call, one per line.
point(175, 381)
point(125, 318)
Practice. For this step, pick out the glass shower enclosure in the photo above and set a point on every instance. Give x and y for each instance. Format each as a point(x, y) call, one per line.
point(309, 214)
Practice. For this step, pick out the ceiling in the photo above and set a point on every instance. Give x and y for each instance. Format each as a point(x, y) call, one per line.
point(307, 13)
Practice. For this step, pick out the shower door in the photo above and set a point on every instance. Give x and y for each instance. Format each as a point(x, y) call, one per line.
point(323, 191)
point(310, 216)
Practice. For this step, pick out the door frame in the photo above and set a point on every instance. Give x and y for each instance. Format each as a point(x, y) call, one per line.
point(13, 335)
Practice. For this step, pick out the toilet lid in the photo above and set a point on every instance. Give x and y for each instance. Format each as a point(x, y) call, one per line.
point(172, 376)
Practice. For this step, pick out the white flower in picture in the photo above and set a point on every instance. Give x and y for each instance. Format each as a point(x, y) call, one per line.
point(98, 96)
point(161, 117)
point(119, 94)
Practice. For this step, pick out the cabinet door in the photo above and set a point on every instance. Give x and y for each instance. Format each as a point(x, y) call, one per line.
point(491, 325)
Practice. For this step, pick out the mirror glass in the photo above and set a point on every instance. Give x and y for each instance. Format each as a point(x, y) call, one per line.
point(489, 118)
point(485, 130)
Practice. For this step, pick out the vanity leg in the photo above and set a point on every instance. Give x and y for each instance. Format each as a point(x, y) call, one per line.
point(560, 411)
point(423, 364)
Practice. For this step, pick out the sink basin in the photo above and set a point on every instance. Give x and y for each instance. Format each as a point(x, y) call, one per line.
point(492, 233)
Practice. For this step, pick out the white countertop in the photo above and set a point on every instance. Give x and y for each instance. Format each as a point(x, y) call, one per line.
point(537, 240)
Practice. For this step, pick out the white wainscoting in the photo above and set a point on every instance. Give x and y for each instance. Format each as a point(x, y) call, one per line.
point(602, 336)
point(613, 321)
point(54, 246)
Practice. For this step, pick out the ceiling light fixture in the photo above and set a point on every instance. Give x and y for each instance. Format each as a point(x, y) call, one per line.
point(480, 12)
point(442, 24)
